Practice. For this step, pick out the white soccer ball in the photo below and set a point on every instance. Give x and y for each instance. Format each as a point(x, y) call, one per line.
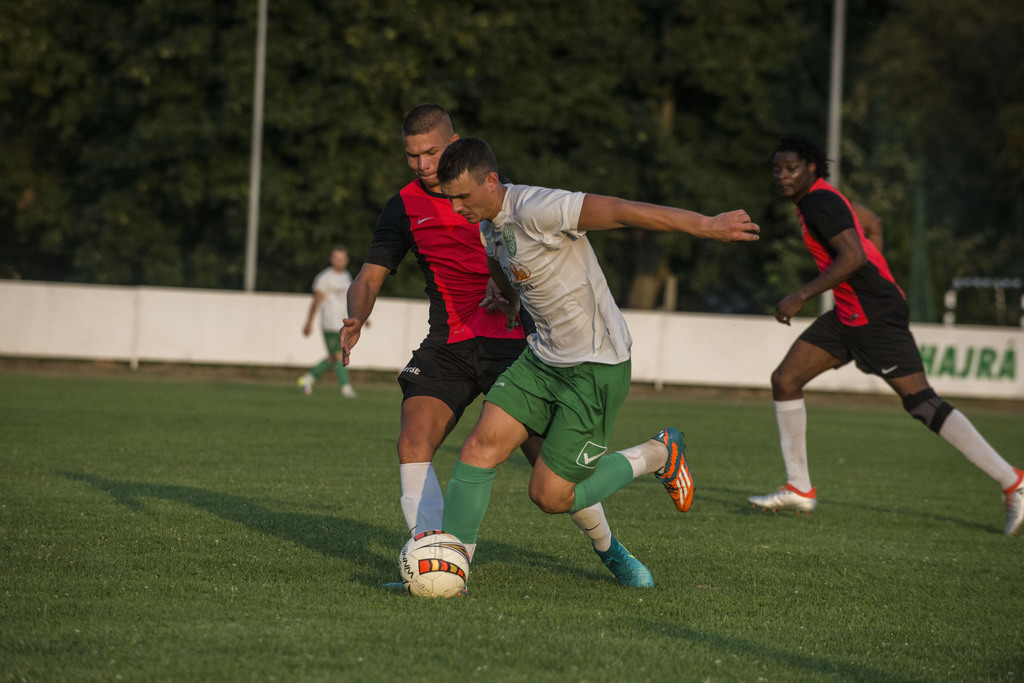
point(434, 564)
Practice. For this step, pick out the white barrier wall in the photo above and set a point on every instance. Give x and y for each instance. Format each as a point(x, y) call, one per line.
point(152, 324)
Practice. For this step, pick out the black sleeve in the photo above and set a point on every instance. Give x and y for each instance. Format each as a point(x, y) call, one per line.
point(826, 213)
point(391, 237)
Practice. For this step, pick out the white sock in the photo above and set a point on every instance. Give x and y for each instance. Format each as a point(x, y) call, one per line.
point(791, 417)
point(470, 550)
point(422, 502)
point(647, 457)
point(594, 524)
point(959, 432)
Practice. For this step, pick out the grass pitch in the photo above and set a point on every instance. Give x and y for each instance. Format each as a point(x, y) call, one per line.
point(153, 529)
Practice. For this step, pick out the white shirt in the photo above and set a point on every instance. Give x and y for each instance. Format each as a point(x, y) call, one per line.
point(334, 286)
point(552, 265)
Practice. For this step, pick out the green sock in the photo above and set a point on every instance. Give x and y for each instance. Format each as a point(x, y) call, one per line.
point(466, 499)
point(613, 471)
point(341, 372)
point(320, 368)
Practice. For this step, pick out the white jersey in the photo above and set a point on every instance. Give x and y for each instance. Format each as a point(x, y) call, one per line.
point(551, 263)
point(334, 286)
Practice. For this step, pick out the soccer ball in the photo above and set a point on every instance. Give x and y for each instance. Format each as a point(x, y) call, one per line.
point(434, 564)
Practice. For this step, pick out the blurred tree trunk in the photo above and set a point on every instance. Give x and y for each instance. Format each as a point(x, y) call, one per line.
point(922, 308)
point(650, 263)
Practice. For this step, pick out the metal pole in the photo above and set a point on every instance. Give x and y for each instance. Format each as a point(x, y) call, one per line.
point(835, 109)
point(255, 164)
point(835, 98)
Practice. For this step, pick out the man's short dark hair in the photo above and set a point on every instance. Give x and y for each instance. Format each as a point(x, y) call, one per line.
point(426, 118)
point(807, 151)
point(471, 155)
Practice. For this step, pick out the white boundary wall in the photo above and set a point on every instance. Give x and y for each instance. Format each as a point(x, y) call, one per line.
point(153, 324)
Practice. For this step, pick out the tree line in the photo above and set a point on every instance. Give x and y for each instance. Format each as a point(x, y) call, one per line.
point(125, 132)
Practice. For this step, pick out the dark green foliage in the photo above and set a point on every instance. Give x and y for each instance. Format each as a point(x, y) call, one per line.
point(940, 109)
point(125, 129)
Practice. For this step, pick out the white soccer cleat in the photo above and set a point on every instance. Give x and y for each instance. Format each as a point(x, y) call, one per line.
point(348, 392)
point(1014, 506)
point(306, 382)
point(787, 498)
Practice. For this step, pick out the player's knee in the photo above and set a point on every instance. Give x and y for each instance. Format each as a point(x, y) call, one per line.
point(546, 501)
point(550, 507)
point(927, 407)
point(413, 448)
point(783, 383)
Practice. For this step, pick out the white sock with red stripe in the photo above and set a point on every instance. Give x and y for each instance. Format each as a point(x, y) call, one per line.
point(1016, 484)
point(803, 494)
point(959, 432)
point(791, 417)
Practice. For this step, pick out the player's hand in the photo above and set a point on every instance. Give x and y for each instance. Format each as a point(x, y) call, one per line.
point(492, 296)
point(349, 336)
point(495, 300)
point(788, 308)
point(733, 226)
point(307, 329)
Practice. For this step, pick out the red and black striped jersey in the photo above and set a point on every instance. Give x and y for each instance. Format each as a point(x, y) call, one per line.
point(449, 252)
point(872, 290)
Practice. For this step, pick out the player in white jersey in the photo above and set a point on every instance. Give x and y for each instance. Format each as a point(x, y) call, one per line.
point(330, 295)
point(571, 381)
point(533, 240)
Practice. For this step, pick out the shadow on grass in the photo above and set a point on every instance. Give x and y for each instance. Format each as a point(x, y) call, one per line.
point(337, 537)
point(825, 666)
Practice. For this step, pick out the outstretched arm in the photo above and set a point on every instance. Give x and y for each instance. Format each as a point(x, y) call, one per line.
point(362, 295)
point(600, 212)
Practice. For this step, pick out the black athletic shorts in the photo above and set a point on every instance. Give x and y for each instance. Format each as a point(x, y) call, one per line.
point(457, 373)
point(884, 347)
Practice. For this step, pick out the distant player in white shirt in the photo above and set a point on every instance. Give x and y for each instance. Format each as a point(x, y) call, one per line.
point(572, 379)
point(330, 294)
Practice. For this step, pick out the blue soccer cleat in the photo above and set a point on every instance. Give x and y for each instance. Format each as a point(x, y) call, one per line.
point(630, 571)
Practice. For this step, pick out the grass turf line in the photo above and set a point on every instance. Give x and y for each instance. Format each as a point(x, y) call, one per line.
point(161, 530)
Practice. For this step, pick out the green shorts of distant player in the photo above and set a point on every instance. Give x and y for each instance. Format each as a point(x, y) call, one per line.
point(573, 408)
point(333, 342)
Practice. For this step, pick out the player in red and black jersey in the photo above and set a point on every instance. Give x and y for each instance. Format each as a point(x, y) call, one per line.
point(869, 325)
point(467, 346)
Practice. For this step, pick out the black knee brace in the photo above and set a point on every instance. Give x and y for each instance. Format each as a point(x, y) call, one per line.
point(929, 408)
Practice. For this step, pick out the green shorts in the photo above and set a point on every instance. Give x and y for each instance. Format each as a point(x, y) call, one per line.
point(574, 409)
point(332, 339)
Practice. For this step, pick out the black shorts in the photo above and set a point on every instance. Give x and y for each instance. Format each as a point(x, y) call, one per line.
point(884, 347)
point(457, 373)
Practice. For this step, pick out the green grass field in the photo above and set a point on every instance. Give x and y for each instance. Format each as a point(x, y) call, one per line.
point(153, 529)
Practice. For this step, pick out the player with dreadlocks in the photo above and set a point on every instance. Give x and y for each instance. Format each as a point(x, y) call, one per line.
point(869, 325)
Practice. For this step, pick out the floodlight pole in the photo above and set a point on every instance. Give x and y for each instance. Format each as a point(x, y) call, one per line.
point(255, 163)
point(835, 109)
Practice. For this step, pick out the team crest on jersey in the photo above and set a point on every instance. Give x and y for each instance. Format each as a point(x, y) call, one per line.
point(517, 272)
point(510, 240)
